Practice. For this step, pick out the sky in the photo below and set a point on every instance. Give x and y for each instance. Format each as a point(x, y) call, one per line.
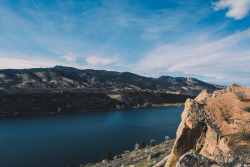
point(204, 39)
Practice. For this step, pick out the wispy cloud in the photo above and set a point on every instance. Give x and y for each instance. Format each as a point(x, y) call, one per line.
point(16, 60)
point(238, 9)
point(99, 61)
point(226, 58)
point(19, 63)
point(68, 56)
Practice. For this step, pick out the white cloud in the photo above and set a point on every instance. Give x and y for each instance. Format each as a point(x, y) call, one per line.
point(13, 60)
point(68, 56)
point(227, 58)
point(16, 63)
point(99, 61)
point(238, 9)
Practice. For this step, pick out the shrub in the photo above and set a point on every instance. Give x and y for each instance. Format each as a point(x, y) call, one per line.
point(247, 109)
point(234, 85)
point(239, 150)
point(142, 144)
point(152, 143)
point(107, 156)
point(241, 95)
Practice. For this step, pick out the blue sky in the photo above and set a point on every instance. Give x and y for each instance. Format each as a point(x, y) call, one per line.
point(205, 39)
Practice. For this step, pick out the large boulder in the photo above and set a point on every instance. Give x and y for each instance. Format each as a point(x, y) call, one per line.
point(193, 159)
point(216, 126)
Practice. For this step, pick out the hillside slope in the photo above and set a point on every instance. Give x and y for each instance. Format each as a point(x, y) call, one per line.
point(69, 101)
point(71, 78)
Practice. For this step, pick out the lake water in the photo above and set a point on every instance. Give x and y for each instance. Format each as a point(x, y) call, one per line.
point(56, 140)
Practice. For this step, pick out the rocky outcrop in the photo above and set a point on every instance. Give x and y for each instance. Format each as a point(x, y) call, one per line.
point(192, 158)
point(216, 127)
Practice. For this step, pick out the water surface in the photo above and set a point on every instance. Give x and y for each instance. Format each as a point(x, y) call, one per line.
point(56, 140)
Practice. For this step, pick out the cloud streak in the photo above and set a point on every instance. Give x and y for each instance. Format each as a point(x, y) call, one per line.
point(226, 58)
point(238, 9)
point(68, 56)
point(99, 61)
point(15, 60)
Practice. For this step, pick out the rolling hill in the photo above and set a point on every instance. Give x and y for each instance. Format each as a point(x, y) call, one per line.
point(61, 77)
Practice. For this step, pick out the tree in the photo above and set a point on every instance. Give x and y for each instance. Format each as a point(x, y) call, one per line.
point(142, 144)
point(152, 143)
point(107, 156)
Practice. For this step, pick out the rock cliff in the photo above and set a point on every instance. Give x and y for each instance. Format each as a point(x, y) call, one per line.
point(214, 129)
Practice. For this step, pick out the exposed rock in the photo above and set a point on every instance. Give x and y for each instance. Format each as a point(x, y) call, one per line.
point(202, 96)
point(215, 125)
point(167, 138)
point(162, 162)
point(193, 159)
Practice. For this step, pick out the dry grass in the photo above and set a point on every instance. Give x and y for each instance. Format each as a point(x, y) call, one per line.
point(240, 144)
point(113, 96)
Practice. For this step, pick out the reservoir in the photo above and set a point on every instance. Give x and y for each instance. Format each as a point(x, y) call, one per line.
point(56, 140)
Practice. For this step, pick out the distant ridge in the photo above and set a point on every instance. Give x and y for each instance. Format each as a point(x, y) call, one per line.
point(60, 77)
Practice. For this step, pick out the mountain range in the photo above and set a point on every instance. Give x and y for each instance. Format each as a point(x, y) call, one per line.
point(60, 77)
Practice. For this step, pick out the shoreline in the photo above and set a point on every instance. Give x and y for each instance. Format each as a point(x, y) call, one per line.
point(90, 111)
point(76, 102)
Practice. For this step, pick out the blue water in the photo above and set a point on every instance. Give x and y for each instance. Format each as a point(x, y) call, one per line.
point(56, 140)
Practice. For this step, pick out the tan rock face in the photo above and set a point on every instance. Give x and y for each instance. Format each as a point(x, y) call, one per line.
point(215, 125)
point(211, 142)
point(189, 122)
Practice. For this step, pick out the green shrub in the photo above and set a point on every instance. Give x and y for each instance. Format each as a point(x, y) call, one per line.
point(107, 156)
point(142, 144)
point(152, 143)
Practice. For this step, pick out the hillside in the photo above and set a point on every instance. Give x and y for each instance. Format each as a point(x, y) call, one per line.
point(66, 90)
point(71, 78)
point(148, 156)
point(69, 101)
